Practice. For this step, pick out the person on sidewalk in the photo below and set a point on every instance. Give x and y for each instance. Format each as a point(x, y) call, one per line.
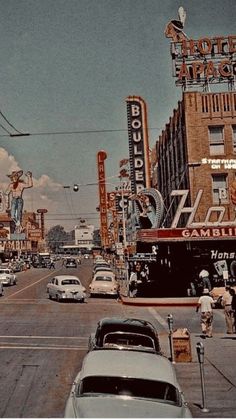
point(227, 304)
point(133, 284)
point(204, 277)
point(233, 304)
point(205, 304)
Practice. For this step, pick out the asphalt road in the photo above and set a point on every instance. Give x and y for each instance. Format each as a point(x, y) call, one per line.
point(43, 342)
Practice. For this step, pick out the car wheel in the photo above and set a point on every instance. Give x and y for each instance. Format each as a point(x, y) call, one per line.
point(49, 296)
point(82, 300)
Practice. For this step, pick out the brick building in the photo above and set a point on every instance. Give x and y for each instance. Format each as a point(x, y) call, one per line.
point(197, 150)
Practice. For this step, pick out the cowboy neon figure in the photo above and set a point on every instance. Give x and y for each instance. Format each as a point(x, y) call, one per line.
point(15, 189)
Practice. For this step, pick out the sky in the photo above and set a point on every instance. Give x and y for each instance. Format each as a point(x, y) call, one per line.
point(66, 69)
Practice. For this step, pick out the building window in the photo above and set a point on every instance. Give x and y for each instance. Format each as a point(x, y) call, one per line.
point(219, 189)
point(234, 139)
point(216, 137)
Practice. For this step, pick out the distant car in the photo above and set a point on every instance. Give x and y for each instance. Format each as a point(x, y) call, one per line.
point(101, 267)
point(71, 263)
point(1, 289)
point(86, 256)
point(104, 283)
point(7, 276)
point(125, 333)
point(66, 287)
point(126, 384)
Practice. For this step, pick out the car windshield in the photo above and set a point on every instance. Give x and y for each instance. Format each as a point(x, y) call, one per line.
point(70, 282)
point(103, 278)
point(4, 271)
point(133, 387)
point(128, 339)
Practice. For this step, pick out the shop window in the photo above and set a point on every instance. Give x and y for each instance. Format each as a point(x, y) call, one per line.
point(234, 139)
point(216, 140)
point(219, 189)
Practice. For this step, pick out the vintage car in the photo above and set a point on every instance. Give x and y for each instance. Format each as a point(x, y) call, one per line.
point(66, 287)
point(104, 283)
point(71, 263)
point(1, 289)
point(7, 276)
point(125, 333)
point(126, 384)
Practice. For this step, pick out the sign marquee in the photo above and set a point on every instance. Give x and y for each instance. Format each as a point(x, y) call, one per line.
point(138, 144)
point(212, 60)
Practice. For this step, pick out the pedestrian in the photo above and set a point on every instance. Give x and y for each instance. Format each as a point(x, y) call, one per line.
point(133, 284)
point(233, 304)
point(227, 304)
point(205, 304)
point(204, 277)
point(52, 264)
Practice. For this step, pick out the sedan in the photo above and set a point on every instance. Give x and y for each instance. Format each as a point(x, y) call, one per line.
point(71, 263)
point(7, 276)
point(127, 385)
point(104, 283)
point(66, 287)
point(125, 333)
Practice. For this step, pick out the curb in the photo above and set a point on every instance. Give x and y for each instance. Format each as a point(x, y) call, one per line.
point(138, 301)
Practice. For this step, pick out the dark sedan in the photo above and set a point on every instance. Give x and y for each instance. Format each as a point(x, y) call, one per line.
point(71, 263)
point(125, 333)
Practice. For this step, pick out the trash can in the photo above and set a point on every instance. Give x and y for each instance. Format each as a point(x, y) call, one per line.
point(182, 345)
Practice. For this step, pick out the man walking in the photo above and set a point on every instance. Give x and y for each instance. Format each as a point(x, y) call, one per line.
point(205, 304)
point(229, 314)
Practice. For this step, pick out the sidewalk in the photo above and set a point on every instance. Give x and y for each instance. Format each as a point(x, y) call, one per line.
point(219, 365)
point(180, 301)
point(219, 372)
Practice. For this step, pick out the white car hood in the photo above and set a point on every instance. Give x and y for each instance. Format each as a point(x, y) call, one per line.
point(122, 407)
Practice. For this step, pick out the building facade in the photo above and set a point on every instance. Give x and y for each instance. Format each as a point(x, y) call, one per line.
point(197, 151)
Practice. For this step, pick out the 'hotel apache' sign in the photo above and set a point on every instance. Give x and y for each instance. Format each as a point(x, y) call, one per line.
point(138, 144)
point(101, 157)
point(204, 60)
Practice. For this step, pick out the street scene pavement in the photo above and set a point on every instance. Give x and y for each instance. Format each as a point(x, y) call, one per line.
point(219, 368)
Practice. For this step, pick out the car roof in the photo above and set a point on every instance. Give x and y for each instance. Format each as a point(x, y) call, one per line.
point(61, 277)
point(104, 273)
point(143, 365)
point(127, 324)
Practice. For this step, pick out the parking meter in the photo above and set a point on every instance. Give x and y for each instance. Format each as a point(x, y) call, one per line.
point(170, 322)
point(200, 354)
point(170, 325)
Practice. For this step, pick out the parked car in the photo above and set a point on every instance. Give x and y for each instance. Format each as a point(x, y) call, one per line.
point(86, 256)
point(126, 384)
point(7, 276)
point(98, 268)
point(125, 333)
point(70, 263)
point(1, 289)
point(66, 287)
point(104, 283)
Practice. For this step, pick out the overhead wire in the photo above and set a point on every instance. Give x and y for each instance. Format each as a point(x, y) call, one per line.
point(9, 123)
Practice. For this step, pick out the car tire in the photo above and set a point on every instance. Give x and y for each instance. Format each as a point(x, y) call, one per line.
point(49, 296)
point(82, 300)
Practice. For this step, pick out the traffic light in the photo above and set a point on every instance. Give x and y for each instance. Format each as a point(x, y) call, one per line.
point(75, 187)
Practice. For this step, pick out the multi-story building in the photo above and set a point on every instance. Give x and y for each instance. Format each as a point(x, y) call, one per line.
point(196, 167)
point(84, 235)
point(197, 150)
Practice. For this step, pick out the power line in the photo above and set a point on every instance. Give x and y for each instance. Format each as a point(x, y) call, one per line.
point(21, 134)
point(9, 123)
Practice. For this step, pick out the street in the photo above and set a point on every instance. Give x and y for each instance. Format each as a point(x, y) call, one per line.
point(43, 342)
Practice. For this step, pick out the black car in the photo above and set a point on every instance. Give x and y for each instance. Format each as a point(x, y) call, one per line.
point(71, 263)
point(125, 333)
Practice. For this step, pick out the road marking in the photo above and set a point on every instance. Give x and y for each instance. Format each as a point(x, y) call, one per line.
point(159, 318)
point(44, 337)
point(54, 348)
point(28, 286)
